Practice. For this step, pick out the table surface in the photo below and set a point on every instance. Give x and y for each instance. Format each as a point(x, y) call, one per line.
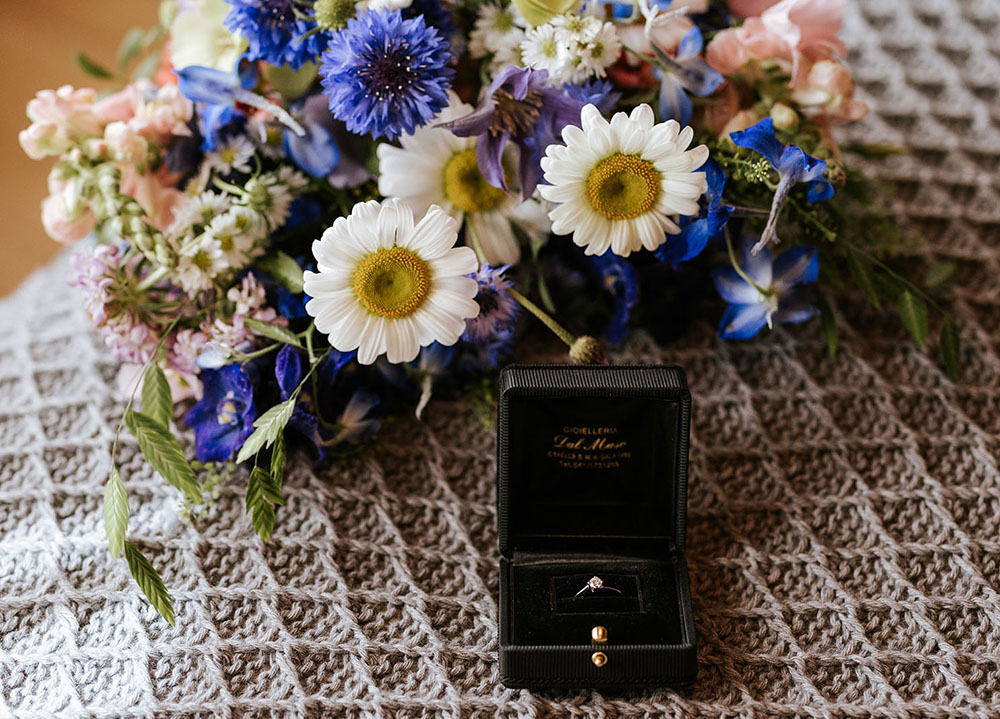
point(844, 512)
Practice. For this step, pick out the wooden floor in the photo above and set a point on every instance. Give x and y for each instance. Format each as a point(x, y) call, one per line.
point(37, 41)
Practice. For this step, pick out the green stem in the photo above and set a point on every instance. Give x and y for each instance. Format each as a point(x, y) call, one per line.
point(559, 331)
point(477, 246)
point(152, 278)
point(895, 275)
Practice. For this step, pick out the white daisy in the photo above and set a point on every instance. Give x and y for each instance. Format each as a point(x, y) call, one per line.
point(498, 31)
point(544, 48)
point(619, 183)
point(387, 286)
point(197, 211)
point(199, 262)
point(234, 155)
point(435, 167)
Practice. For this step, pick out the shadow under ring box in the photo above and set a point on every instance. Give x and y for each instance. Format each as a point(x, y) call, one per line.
point(592, 480)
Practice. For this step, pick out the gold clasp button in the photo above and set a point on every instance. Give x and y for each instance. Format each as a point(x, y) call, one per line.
point(599, 635)
point(599, 659)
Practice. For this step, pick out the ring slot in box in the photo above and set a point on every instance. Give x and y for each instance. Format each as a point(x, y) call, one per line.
point(591, 507)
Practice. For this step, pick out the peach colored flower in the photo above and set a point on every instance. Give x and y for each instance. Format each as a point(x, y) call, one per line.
point(65, 224)
point(155, 192)
point(750, 8)
point(788, 33)
point(827, 94)
point(161, 112)
point(119, 106)
point(58, 117)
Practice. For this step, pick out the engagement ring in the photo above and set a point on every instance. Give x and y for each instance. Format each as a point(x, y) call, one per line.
point(595, 583)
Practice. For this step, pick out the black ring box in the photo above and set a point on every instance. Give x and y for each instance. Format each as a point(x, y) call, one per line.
point(592, 466)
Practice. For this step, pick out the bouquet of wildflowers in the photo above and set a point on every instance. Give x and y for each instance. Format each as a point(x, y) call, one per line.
point(296, 217)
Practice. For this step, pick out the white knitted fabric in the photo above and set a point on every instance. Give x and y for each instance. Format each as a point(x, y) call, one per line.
point(844, 513)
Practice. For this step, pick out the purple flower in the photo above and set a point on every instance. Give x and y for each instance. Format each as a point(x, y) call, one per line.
point(518, 107)
point(773, 295)
point(223, 418)
point(793, 166)
point(618, 276)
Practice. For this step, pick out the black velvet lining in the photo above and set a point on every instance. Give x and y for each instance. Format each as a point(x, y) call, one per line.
point(546, 611)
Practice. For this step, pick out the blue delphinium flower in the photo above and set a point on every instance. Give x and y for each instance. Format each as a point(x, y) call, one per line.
point(223, 418)
point(498, 311)
point(353, 425)
point(793, 166)
point(687, 73)
point(316, 151)
point(696, 231)
point(385, 75)
point(518, 107)
point(276, 31)
point(619, 277)
point(773, 295)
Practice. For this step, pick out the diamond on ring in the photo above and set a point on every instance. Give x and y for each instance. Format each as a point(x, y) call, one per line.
point(595, 584)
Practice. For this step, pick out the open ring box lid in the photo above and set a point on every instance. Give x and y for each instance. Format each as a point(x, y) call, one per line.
point(592, 481)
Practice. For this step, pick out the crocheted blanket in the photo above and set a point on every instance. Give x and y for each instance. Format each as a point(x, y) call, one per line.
point(844, 512)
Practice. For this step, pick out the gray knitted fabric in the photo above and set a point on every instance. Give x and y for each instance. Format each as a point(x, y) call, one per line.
point(844, 513)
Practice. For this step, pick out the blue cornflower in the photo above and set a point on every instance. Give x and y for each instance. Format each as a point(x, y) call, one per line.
point(518, 107)
point(435, 13)
point(619, 277)
point(385, 75)
point(497, 309)
point(223, 418)
point(597, 92)
point(277, 31)
point(793, 166)
point(773, 295)
point(697, 230)
point(687, 73)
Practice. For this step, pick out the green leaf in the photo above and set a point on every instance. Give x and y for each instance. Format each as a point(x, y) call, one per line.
point(283, 270)
point(261, 496)
point(941, 275)
point(266, 429)
point(115, 513)
point(951, 348)
point(131, 47)
point(913, 312)
point(278, 457)
point(862, 273)
point(147, 67)
point(157, 404)
point(92, 68)
point(274, 332)
point(149, 582)
point(829, 324)
point(164, 454)
point(262, 518)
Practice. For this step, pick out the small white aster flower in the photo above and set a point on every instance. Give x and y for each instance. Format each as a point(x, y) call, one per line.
point(495, 29)
point(197, 211)
point(387, 285)
point(234, 155)
point(272, 193)
point(435, 167)
point(235, 239)
point(618, 184)
point(544, 48)
point(598, 46)
point(200, 261)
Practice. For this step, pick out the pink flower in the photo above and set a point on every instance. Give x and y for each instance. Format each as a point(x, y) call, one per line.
point(119, 107)
point(750, 8)
point(65, 224)
point(125, 144)
point(788, 33)
point(160, 112)
point(58, 117)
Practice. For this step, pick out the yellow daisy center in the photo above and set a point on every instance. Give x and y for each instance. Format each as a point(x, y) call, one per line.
point(226, 243)
point(465, 187)
point(622, 187)
point(392, 283)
